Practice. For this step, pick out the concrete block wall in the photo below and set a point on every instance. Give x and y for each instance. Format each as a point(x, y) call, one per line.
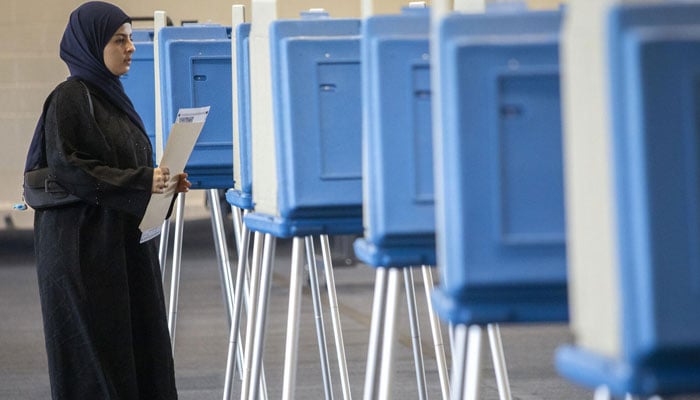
point(29, 68)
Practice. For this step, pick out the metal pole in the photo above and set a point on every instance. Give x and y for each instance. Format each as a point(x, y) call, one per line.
point(318, 314)
point(335, 317)
point(415, 332)
point(177, 261)
point(386, 370)
point(234, 332)
point(375, 334)
point(499, 361)
point(459, 361)
point(601, 393)
point(163, 248)
point(292, 341)
point(252, 312)
point(437, 333)
point(238, 227)
point(473, 363)
point(221, 246)
point(261, 319)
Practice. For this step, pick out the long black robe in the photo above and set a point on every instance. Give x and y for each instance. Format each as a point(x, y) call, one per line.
point(101, 293)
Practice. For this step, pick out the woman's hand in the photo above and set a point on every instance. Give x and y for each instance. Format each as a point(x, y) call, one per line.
point(161, 176)
point(163, 182)
point(183, 185)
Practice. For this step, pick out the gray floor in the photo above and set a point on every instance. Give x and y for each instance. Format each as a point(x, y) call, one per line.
point(201, 332)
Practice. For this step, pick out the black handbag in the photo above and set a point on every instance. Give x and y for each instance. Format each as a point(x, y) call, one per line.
point(42, 190)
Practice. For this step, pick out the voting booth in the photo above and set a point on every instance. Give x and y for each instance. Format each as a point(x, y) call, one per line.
point(399, 221)
point(398, 207)
point(139, 82)
point(638, 254)
point(241, 195)
point(317, 131)
point(500, 218)
point(306, 160)
point(498, 177)
point(195, 71)
point(192, 65)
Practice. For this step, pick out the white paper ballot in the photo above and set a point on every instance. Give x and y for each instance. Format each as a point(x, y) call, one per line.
point(183, 136)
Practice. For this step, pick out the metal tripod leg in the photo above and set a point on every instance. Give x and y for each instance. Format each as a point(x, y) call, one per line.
point(602, 393)
point(237, 226)
point(374, 347)
point(473, 372)
point(292, 341)
point(466, 372)
point(335, 317)
point(415, 333)
point(459, 361)
point(237, 233)
point(217, 225)
point(163, 248)
point(451, 335)
point(437, 333)
point(261, 318)
point(224, 261)
point(318, 317)
point(177, 261)
point(240, 291)
point(389, 340)
point(252, 308)
point(499, 361)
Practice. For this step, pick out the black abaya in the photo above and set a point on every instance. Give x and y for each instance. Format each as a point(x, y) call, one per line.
point(101, 294)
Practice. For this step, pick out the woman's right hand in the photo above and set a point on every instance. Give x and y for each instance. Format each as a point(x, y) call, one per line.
point(161, 177)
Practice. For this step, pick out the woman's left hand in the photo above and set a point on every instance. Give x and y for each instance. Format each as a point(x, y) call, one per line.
point(183, 185)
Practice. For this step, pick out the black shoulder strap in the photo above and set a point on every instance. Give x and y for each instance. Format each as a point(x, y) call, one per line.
point(89, 98)
point(35, 155)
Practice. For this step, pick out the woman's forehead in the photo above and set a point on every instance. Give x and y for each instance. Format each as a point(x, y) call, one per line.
point(124, 29)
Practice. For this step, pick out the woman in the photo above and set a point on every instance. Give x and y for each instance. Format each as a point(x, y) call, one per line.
point(101, 294)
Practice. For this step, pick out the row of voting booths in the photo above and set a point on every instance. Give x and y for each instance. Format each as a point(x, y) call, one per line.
point(543, 164)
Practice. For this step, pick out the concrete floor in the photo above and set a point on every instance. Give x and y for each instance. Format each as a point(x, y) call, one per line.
point(201, 339)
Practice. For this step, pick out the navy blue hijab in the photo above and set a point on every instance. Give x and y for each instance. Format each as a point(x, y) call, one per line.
point(89, 29)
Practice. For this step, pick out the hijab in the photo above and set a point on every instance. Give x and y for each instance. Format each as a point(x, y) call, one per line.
point(90, 27)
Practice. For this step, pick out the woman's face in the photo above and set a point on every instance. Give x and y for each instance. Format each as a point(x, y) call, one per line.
point(117, 53)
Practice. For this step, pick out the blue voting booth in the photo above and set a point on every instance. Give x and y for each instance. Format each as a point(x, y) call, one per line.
point(654, 64)
point(139, 82)
point(195, 71)
point(317, 128)
point(499, 180)
point(241, 195)
point(398, 162)
point(315, 76)
point(398, 213)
